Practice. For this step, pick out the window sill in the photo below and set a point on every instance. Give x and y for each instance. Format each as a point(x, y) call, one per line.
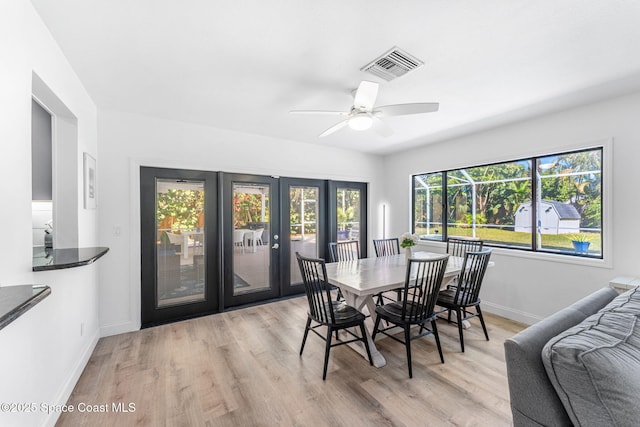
point(542, 256)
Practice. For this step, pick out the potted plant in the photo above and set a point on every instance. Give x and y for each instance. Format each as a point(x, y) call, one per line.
point(580, 242)
point(407, 241)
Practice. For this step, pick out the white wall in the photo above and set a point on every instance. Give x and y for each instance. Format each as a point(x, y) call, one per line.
point(529, 287)
point(127, 141)
point(42, 353)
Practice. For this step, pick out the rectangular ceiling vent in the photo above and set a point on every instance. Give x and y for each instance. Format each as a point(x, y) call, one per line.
point(393, 64)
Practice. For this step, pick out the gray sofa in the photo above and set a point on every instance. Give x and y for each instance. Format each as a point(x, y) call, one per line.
point(579, 366)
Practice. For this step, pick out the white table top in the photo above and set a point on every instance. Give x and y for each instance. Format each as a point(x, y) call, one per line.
point(368, 276)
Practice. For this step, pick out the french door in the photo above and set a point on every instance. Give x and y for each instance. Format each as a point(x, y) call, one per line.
point(178, 224)
point(251, 238)
point(348, 213)
point(304, 226)
point(212, 241)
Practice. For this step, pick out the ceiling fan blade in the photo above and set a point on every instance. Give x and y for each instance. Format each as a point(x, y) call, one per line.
point(406, 109)
point(334, 128)
point(331, 113)
point(365, 96)
point(380, 127)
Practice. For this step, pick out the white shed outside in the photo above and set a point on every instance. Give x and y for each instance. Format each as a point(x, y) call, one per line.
point(555, 218)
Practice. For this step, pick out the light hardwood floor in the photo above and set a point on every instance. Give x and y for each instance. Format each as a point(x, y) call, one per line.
point(241, 368)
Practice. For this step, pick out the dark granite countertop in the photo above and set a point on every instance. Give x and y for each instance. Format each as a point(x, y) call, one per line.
point(56, 259)
point(16, 300)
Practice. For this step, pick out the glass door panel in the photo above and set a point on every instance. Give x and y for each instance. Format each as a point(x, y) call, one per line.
point(348, 205)
point(303, 226)
point(251, 260)
point(303, 209)
point(180, 215)
point(251, 228)
point(178, 224)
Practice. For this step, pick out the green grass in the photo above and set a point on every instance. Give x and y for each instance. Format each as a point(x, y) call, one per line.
point(557, 242)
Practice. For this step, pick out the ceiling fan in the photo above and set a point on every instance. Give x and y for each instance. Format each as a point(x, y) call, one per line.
point(363, 115)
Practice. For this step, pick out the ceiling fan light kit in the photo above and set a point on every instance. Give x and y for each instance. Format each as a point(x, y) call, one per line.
point(363, 114)
point(360, 121)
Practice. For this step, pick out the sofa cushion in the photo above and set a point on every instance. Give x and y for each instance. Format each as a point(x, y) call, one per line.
point(595, 365)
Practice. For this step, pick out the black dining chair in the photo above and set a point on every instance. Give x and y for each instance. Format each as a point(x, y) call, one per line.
point(459, 246)
point(421, 286)
point(387, 247)
point(466, 295)
point(334, 315)
point(344, 251)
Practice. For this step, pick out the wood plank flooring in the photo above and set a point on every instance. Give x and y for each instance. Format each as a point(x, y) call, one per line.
point(242, 368)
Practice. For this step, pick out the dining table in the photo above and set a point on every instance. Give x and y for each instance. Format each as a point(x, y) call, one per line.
point(361, 279)
point(195, 235)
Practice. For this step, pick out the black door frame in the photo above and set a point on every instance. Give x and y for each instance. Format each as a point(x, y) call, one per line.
point(219, 239)
point(150, 313)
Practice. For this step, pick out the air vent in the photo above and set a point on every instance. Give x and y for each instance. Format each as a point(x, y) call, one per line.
point(393, 64)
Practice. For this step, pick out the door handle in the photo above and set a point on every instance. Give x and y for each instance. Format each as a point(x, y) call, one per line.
point(275, 246)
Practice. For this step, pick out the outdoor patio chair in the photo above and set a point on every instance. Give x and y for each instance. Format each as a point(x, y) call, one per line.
point(238, 239)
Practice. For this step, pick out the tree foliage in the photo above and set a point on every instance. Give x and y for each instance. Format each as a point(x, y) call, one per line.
point(179, 209)
point(500, 189)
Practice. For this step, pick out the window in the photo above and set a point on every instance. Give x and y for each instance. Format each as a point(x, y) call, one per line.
point(550, 203)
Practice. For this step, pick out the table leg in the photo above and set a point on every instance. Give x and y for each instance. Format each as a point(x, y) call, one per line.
point(359, 302)
point(185, 246)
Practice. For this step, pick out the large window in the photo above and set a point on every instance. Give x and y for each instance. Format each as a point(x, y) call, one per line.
point(550, 203)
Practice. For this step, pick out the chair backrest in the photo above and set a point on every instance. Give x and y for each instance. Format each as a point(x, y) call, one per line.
point(238, 236)
point(457, 246)
point(421, 287)
point(316, 288)
point(386, 247)
point(175, 239)
point(344, 251)
point(470, 279)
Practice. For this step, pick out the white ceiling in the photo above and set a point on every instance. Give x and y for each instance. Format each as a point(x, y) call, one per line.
point(243, 64)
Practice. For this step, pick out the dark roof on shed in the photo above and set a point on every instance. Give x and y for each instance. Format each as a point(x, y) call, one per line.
point(565, 210)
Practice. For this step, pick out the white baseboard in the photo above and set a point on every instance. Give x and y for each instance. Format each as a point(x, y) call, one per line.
point(67, 389)
point(510, 313)
point(119, 328)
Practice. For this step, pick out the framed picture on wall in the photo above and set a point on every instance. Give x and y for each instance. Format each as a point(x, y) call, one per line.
point(90, 195)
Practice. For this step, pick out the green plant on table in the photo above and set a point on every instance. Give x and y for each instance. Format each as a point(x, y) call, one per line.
point(408, 240)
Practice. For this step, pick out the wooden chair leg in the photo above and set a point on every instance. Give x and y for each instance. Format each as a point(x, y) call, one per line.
point(459, 314)
point(434, 330)
point(327, 349)
point(375, 328)
point(407, 343)
point(366, 343)
point(306, 332)
point(484, 328)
